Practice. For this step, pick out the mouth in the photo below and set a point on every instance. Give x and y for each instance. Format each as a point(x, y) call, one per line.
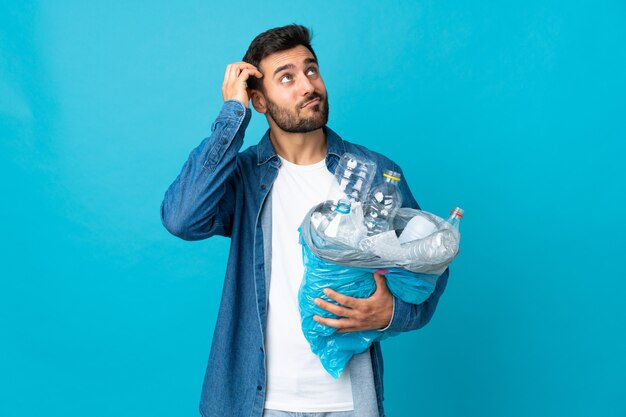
point(311, 102)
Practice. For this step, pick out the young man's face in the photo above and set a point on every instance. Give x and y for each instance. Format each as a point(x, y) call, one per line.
point(294, 95)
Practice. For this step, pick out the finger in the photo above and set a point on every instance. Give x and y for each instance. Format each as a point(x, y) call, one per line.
point(244, 75)
point(349, 329)
point(247, 65)
point(242, 64)
point(227, 73)
point(340, 298)
point(233, 72)
point(381, 282)
point(250, 72)
point(335, 323)
point(257, 73)
point(333, 308)
point(229, 76)
point(235, 69)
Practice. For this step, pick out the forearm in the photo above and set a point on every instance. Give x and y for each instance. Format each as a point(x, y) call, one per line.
point(191, 205)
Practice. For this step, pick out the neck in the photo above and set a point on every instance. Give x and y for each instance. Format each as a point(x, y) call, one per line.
point(299, 148)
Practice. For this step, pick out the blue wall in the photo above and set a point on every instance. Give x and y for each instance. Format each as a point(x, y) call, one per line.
point(513, 111)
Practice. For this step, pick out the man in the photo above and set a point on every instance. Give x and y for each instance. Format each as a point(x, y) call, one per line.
point(260, 363)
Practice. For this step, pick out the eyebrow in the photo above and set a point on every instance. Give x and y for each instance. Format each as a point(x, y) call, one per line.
point(290, 66)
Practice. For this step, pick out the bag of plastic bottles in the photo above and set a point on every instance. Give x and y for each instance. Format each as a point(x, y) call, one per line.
point(332, 262)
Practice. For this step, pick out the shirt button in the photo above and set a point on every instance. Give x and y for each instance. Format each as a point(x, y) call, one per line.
point(261, 348)
point(224, 141)
point(259, 387)
point(263, 187)
point(239, 113)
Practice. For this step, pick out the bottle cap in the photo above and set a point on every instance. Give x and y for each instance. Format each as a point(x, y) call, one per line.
point(457, 211)
point(343, 206)
point(392, 175)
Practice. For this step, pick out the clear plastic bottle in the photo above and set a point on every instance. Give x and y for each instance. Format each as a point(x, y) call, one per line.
point(381, 206)
point(322, 214)
point(342, 224)
point(456, 215)
point(420, 226)
point(354, 177)
point(441, 245)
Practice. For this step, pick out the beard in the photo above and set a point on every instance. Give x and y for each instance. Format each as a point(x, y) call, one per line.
point(293, 122)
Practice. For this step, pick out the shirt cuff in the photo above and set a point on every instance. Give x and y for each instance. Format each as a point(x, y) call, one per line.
point(391, 319)
point(234, 110)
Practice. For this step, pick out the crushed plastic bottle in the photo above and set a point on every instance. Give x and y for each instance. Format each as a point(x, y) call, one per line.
point(418, 227)
point(343, 224)
point(354, 177)
point(322, 214)
point(436, 240)
point(440, 245)
point(382, 204)
point(384, 245)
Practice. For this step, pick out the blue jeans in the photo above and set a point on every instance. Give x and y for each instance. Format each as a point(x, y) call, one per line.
point(277, 413)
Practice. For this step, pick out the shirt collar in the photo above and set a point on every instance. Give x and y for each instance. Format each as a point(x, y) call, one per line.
point(334, 146)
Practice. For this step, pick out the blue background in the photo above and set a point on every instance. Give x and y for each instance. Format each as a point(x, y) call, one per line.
point(514, 111)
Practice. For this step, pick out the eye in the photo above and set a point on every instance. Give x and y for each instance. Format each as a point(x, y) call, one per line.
point(285, 78)
point(311, 71)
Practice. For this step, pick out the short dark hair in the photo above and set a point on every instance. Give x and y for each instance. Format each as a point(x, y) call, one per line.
point(276, 40)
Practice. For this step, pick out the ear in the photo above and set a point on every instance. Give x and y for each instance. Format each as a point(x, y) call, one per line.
point(258, 101)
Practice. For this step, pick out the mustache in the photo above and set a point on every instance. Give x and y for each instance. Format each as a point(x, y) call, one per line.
point(310, 97)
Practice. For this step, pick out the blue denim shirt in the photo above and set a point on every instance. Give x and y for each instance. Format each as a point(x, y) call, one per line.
point(222, 191)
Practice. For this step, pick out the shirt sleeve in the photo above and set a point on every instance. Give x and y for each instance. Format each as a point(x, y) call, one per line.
point(200, 202)
point(407, 316)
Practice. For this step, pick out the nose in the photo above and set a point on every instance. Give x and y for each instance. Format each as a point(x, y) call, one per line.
point(305, 86)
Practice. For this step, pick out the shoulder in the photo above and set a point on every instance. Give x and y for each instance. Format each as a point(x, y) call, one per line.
point(249, 154)
point(247, 160)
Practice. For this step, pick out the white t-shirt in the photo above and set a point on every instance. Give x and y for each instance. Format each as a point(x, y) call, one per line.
point(296, 380)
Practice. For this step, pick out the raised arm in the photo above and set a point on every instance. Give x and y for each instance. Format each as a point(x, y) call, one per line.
point(200, 202)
